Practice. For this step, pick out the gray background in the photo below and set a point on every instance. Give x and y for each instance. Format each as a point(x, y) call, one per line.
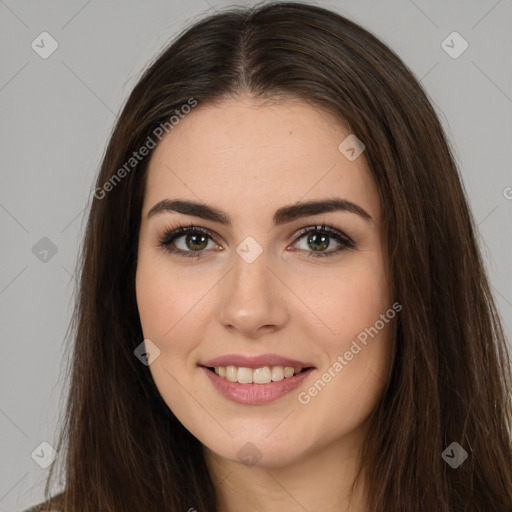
point(57, 114)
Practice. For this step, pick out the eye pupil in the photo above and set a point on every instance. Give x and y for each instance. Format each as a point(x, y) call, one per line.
point(312, 238)
point(203, 243)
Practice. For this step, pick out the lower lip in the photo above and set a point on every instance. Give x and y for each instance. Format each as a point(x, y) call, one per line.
point(251, 394)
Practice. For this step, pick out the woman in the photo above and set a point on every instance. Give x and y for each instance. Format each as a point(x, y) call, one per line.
point(282, 303)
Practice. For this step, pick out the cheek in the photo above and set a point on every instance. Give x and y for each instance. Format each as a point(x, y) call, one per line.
point(168, 316)
point(154, 299)
point(355, 337)
point(345, 301)
point(353, 375)
point(172, 310)
point(165, 298)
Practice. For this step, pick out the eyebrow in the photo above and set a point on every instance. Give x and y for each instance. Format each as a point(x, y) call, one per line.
point(281, 216)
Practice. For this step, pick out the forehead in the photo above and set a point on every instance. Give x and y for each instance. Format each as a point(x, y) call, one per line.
point(248, 157)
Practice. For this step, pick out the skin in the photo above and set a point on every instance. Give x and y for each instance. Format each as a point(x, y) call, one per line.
point(249, 159)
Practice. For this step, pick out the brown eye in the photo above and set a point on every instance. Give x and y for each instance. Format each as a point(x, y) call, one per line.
point(317, 240)
point(195, 240)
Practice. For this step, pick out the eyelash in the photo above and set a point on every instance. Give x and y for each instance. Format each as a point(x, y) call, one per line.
point(167, 238)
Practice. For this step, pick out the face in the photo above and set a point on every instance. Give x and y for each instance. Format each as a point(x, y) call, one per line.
point(256, 284)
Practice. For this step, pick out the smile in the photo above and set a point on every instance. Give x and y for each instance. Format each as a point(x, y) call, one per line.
point(251, 393)
point(262, 375)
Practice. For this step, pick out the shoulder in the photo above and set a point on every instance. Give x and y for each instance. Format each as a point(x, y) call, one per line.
point(54, 505)
point(40, 508)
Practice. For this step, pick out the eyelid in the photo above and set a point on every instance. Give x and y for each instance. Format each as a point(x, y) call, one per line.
point(324, 228)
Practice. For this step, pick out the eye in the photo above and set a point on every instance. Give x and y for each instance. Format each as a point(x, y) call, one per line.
point(196, 239)
point(317, 238)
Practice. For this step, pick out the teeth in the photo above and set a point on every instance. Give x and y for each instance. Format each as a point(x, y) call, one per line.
point(289, 371)
point(231, 373)
point(277, 373)
point(244, 375)
point(262, 375)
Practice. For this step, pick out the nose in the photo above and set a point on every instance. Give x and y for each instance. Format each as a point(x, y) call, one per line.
point(254, 298)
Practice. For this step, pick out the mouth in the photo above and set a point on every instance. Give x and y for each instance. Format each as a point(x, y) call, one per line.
point(261, 375)
point(255, 386)
point(256, 379)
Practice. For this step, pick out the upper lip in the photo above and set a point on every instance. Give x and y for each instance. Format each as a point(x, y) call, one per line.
point(240, 360)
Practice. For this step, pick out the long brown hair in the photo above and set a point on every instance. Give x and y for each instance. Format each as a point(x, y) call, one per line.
point(121, 446)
